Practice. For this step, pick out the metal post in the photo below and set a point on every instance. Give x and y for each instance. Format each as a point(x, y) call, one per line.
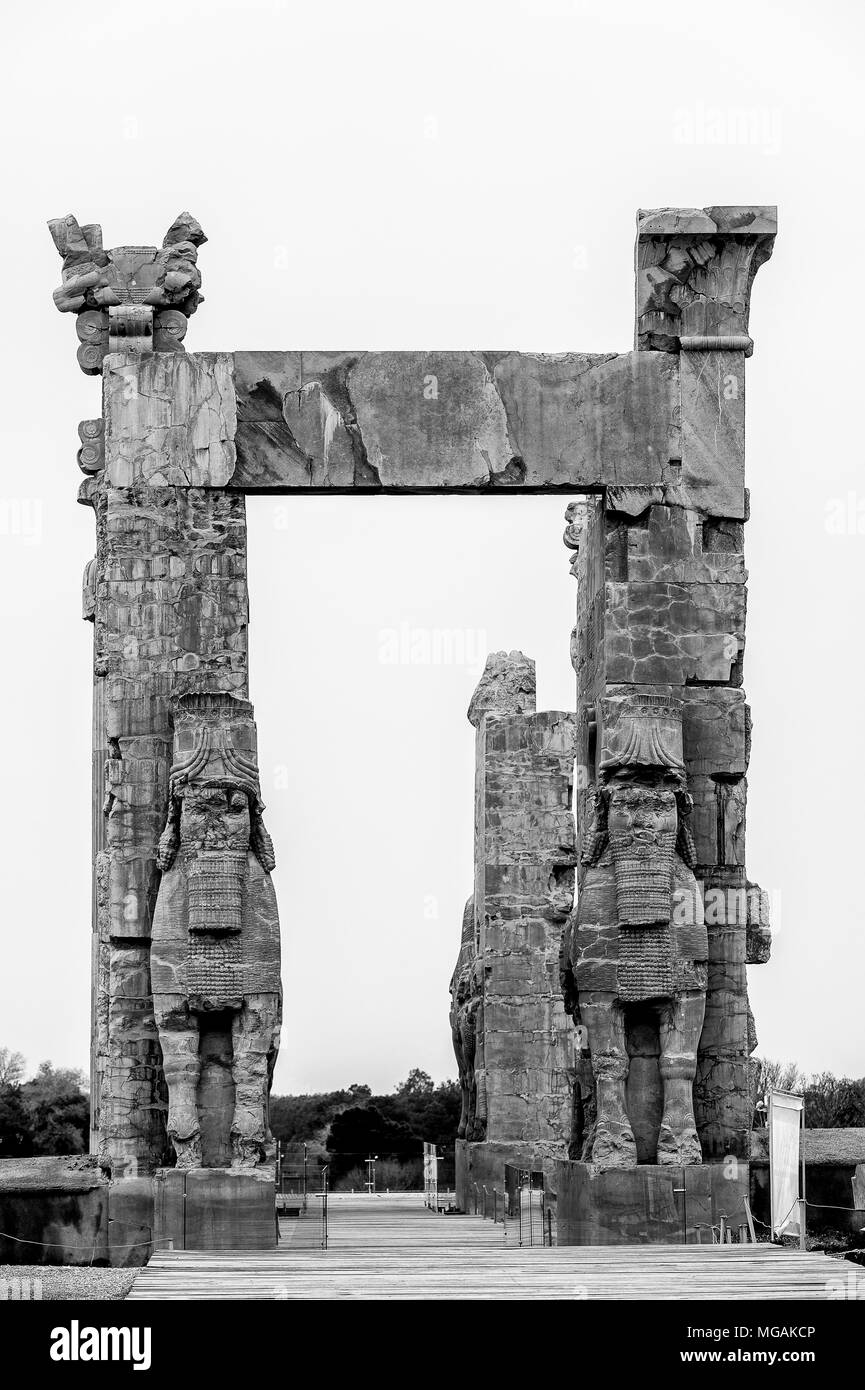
point(802, 1203)
point(305, 1162)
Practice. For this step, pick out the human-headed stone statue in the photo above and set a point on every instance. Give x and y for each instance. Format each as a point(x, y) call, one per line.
point(637, 936)
point(215, 944)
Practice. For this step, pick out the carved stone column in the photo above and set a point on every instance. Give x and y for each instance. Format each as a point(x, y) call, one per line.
point(166, 593)
point(524, 884)
point(661, 611)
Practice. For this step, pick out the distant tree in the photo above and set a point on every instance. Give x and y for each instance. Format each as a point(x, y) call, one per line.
point(418, 1109)
point(775, 1076)
point(417, 1083)
point(16, 1140)
point(834, 1102)
point(11, 1068)
point(363, 1130)
point(831, 1102)
point(58, 1110)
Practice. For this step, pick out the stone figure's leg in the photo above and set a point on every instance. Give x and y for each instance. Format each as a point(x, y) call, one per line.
point(456, 1037)
point(680, 1026)
point(613, 1145)
point(469, 1045)
point(181, 1061)
point(252, 1033)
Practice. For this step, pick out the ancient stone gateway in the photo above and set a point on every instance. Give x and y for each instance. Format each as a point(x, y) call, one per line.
point(607, 1042)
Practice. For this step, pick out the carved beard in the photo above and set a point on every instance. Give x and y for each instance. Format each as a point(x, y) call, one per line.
point(644, 875)
point(216, 887)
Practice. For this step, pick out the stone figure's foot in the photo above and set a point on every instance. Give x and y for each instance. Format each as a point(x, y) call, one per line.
point(188, 1151)
point(678, 1147)
point(246, 1153)
point(614, 1145)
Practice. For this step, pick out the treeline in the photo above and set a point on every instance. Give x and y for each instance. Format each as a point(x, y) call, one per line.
point(49, 1114)
point(344, 1128)
point(831, 1102)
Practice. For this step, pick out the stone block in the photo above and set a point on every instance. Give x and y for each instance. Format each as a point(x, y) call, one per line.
point(170, 420)
point(216, 1209)
point(712, 475)
point(57, 1208)
point(453, 421)
point(670, 544)
point(667, 633)
point(131, 1217)
point(647, 1205)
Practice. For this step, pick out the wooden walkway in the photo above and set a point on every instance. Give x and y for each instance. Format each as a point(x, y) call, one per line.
point(393, 1248)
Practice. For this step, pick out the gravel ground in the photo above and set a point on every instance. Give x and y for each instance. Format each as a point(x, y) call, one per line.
point(70, 1281)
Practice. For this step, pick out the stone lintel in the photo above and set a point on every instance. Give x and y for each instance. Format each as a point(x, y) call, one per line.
point(642, 427)
point(462, 422)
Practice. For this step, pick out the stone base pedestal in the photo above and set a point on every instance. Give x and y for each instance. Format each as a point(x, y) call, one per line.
point(215, 1209)
point(647, 1205)
point(484, 1163)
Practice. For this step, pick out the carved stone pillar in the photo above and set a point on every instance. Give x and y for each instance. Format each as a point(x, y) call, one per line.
point(166, 593)
point(661, 612)
point(524, 883)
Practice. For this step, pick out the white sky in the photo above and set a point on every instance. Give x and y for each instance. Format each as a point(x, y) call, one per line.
point(386, 175)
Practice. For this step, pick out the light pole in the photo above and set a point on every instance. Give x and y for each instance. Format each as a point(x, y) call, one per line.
point(370, 1173)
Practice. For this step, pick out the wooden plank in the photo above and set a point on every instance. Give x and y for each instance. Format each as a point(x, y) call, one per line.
point(393, 1248)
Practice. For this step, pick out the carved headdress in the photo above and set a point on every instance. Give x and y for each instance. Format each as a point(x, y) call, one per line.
point(643, 734)
point(642, 731)
point(215, 746)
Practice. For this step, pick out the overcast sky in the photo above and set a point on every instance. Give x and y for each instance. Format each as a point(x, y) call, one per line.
point(458, 175)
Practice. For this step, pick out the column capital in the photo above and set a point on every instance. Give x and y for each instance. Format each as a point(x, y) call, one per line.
point(132, 299)
point(694, 270)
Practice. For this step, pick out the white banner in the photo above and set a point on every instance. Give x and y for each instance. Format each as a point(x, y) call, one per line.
point(785, 1125)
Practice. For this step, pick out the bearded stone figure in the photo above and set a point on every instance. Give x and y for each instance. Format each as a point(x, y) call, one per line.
point(637, 938)
point(215, 951)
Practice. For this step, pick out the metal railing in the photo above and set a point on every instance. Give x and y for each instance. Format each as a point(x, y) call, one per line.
point(301, 1204)
point(528, 1216)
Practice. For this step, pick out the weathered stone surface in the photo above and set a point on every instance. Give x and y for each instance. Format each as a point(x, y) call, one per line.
point(759, 926)
point(671, 544)
point(712, 387)
point(116, 293)
point(507, 686)
point(647, 1205)
point(216, 1209)
point(718, 820)
point(507, 1023)
point(216, 934)
point(659, 633)
point(56, 1207)
point(170, 618)
point(635, 949)
point(453, 421)
point(658, 436)
point(524, 877)
point(170, 420)
point(695, 268)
